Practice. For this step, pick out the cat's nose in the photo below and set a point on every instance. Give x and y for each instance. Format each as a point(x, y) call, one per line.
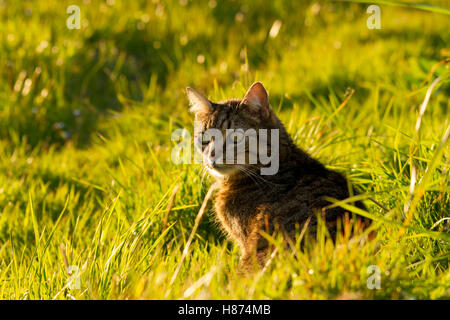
point(211, 157)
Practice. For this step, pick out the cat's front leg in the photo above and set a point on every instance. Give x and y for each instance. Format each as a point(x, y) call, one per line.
point(250, 263)
point(254, 255)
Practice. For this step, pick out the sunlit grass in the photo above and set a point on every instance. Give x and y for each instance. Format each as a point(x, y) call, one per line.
point(86, 118)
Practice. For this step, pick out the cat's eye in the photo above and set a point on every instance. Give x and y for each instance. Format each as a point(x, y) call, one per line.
point(203, 142)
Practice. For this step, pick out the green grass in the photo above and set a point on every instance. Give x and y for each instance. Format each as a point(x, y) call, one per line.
point(86, 118)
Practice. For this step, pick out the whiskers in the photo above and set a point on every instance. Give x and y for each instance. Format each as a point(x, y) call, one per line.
point(248, 170)
point(202, 174)
point(258, 179)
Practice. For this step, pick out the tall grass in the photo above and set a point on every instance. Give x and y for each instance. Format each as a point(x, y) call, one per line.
point(86, 118)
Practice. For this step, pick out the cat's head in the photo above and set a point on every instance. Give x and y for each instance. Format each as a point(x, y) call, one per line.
point(228, 133)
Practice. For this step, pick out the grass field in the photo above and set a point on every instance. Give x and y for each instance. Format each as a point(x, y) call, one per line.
point(86, 117)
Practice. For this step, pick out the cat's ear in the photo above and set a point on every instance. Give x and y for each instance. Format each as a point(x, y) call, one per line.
point(199, 104)
point(257, 101)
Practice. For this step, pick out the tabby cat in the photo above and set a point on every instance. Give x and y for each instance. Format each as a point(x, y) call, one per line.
point(248, 202)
